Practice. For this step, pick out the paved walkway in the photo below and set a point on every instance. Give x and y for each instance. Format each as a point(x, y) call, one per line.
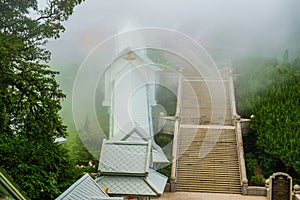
point(207, 196)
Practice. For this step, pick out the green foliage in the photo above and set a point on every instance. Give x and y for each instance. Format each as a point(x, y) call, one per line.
point(255, 84)
point(285, 59)
point(163, 139)
point(244, 63)
point(30, 98)
point(79, 153)
point(167, 99)
point(164, 96)
point(42, 169)
point(157, 56)
point(272, 95)
point(276, 123)
point(102, 111)
point(268, 164)
point(90, 137)
point(250, 164)
point(258, 180)
point(166, 170)
point(296, 65)
point(254, 164)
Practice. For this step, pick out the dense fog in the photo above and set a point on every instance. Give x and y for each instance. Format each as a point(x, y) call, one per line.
point(225, 28)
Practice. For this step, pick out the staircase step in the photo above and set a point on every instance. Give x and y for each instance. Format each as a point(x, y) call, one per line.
point(218, 171)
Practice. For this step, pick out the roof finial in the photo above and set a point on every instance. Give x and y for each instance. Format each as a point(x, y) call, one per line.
point(129, 56)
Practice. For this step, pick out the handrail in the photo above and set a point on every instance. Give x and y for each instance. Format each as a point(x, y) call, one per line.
point(239, 138)
point(232, 96)
point(242, 165)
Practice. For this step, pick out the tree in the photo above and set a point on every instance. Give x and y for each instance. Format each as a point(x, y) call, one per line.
point(244, 63)
point(30, 97)
point(254, 83)
point(277, 122)
point(285, 59)
point(296, 65)
point(272, 95)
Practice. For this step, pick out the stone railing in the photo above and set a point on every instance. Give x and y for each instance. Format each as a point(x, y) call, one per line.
point(175, 138)
point(239, 137)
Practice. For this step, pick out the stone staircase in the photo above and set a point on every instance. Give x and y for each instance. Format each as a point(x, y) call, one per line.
point(217, 169)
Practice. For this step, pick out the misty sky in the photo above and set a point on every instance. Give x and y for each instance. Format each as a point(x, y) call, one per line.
point(256, 27)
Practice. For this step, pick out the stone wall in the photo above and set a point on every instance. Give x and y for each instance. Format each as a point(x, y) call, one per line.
point(245, 126)
point(257, 191)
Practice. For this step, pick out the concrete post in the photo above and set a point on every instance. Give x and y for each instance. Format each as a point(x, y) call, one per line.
point(175, 138)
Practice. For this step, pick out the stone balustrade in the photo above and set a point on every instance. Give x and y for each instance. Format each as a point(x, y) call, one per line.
point(239, 137)
point(175, 137)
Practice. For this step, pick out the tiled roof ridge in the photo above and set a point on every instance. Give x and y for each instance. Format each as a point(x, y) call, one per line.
point(108, 165)
point(77, 184)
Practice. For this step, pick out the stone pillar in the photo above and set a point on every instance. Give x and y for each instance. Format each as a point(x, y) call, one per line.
point(296, 192)
point(174, 151)
point(244, 187)
point(267, 185)
point(175, 138)
point(172, 185)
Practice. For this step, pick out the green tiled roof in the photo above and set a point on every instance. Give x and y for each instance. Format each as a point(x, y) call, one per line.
point(151, 185)
point(125, 185)
point(125, 169)
point(138, 134)
point(85, 188)
point(157, 181)
point(159, 157)
point(119, 157)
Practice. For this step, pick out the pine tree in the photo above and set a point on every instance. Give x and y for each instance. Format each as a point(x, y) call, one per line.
point(285, 59)
point(30, 98)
